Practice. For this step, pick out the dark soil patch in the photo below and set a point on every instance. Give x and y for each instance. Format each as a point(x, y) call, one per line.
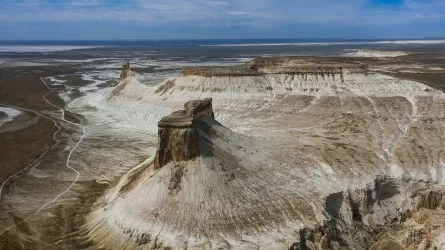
point(21, 147)
point(434, 80)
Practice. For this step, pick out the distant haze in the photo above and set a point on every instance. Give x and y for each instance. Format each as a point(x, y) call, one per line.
point(218, 19)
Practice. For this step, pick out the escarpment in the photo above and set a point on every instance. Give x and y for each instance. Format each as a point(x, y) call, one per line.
point(178, 135)
point(308, 160)
point(244, 89)
point(431, 199)
point(284, 65)
point(209, 187)
point(306, 65)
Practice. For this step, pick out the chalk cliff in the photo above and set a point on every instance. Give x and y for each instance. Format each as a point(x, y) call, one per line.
point(284, 65)
point(314, 153)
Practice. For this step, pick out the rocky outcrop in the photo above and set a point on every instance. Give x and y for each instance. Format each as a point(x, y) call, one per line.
point(431, 199)
point(126, 71)
point(298, 161)
point(219, 71)
point(131, 84)
point(177, 134)
point(349, 225)
point(284, 65)
point(306, 65)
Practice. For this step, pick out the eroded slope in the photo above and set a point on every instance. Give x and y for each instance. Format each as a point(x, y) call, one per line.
point(304, 152)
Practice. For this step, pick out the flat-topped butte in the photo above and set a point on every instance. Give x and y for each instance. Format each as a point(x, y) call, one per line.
point(184, 118)
point(285, 65)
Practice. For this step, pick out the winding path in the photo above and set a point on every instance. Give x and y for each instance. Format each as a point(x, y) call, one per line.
point(42, 155)
point(67, 163)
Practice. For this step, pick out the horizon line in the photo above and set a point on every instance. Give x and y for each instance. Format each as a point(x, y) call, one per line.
point(213, 39)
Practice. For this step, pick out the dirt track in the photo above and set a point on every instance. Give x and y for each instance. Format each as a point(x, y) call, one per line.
point(21, 147)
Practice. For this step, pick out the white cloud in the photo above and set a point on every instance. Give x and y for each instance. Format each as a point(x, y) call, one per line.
point(218, 3)
point(238, 13)
point(225, 12)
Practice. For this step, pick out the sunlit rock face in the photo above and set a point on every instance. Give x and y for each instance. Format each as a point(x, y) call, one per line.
point(431, 199)
point(126, 71)
point(306, 65)
point(299, 152)
point(177, 133)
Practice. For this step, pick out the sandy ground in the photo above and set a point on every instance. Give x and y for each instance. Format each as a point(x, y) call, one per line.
point(21, 147)
point(23, 141)
point(52, 187)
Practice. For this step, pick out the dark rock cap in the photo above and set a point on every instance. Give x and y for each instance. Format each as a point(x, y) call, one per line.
point(192, 110)
point(178, 138)
point(126, 71)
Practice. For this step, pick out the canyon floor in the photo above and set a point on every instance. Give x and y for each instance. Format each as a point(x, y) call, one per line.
point(301, 153)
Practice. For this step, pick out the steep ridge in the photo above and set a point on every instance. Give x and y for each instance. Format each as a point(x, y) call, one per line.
point(141, 104)
point(304, 160)
point(218, 190)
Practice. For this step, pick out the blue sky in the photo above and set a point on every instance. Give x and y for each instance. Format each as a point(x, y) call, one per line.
point(218, 19)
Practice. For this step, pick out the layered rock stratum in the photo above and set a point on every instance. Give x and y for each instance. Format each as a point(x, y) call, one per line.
point(318, 153)
point(178, 135)
point(126, 71)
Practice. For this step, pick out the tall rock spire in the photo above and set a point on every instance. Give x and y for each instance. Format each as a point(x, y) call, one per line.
point(126, 71)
